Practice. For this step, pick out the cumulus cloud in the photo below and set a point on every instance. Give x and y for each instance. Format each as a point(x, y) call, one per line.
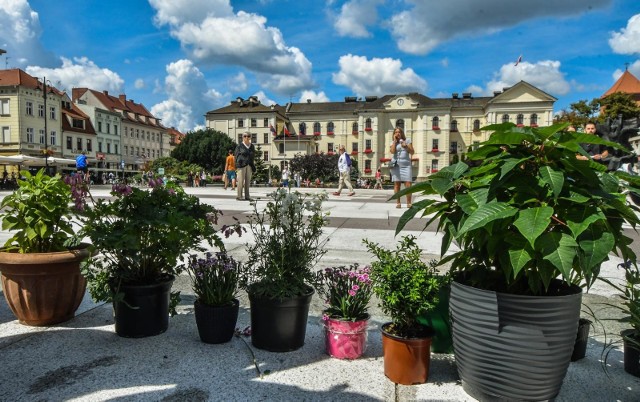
point(243, 39)
point(20, 31)
point(238, 83)
point(429, 23)
point(545, 75)
point(627, 41)
point(189, 97)
point(80, 73)
point(313, 96)
point(634, 69)
point(377, 76)
point(355, 16)
point(139, 84)
point(264, 99)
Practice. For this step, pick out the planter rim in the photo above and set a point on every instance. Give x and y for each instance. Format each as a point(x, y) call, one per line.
point(252, 294)
point(14, 258)
point(232, 303)
point(628, 334)
point(428, 332)
point(575, 290)
point(167, 279)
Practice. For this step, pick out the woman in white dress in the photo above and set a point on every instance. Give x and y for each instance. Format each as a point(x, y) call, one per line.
point(401, 150)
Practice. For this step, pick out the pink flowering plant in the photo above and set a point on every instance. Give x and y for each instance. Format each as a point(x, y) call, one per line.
point(347, 292)
point(214, 278)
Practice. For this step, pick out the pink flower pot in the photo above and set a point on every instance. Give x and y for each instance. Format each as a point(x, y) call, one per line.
point(345, 339)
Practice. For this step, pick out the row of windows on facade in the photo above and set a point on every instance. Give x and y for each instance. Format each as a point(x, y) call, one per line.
point(151, 136)
point(368, 124)
point(29, 110)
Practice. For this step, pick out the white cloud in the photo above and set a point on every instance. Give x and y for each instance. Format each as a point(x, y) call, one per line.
point(20, 31)
point(238, 83)
point(355, 16)
point(377, 76)
point(627, 41)
point(139, 84)
point(189, 97)
point(80, 73)
point(545, 75)
point(313, 96)
point(428, 23)
point(264, 99)
point(241, 39)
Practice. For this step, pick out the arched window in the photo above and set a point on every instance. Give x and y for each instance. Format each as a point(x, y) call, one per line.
point(534, 120)
point(367, 124)
point(330, 127)
point(454, 125)
point(400, 124)
point(316, 128)
point(520, 120)
point(435, 123)
point(302, 129)
point(505, 118)
point(476, 125)
point(354, 129)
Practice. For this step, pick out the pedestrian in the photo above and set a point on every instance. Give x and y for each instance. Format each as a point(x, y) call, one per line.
point(244, 155)
point(82, 166)
point(285, 176)
point(230, 171)
point(203, 178)
point(297, 178)
point(402, 149)
point(596, 151)
point(344, 170)
point(378, 180)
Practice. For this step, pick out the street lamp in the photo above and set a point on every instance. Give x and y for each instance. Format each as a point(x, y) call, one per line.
point(44, 96)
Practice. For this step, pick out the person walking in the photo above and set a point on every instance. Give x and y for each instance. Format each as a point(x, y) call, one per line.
point(285, 176)
point(402, 149)
point(230, 171)
point(378, 185)
point(344, 168)
point(245, 152)
point(82, 167)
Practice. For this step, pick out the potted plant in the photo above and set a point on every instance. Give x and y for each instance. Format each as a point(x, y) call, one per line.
point(40, 262)
point(630, 307)
point(529, 218)
point(347, 292)
point(406, 288)
point(279, 268)
point(214, 279)
point(143, 237)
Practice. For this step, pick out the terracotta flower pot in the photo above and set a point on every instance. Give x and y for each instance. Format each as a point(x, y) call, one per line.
point(43, 288)
point(345, 339)
point(406, 360)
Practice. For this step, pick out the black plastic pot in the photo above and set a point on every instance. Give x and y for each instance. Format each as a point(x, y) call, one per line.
point(631, 353)
point(144, 310)
point(216, 324)
point(582, 338)
point(512, 347)
point(279, 325)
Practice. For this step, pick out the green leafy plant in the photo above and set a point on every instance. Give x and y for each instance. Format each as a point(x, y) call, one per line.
point(406, 286)
point(143, 236)
point(214, 278)
point(347, 292)
point(288, 243)
point(39, 214)
point(525, 211)
point(630, 297)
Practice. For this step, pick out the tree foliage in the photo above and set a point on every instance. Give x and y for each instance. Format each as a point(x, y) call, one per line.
point(206, 147)
point(322, 166)
point(619, 103)
point(262, 173)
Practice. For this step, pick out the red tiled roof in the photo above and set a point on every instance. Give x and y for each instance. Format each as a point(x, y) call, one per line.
point(130, 110)
point(17, 77)
point(627, 83)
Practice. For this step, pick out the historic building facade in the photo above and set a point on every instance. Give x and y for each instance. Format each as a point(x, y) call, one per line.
point(441, 129)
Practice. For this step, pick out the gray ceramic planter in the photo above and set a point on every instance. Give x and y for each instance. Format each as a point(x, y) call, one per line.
point(512, 346)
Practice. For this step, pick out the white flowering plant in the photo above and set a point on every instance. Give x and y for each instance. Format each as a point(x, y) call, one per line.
point(288, 243)
point(347, 292)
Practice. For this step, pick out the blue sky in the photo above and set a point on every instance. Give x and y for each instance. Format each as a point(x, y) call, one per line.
point(181, 58)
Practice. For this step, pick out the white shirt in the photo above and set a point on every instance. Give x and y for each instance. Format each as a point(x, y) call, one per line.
point(342, 163)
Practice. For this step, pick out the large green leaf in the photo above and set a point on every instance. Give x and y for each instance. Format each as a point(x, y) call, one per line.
point(578, 220)
point(554, 178)
point(509, 138)
point(533, 222)
point(411, 212)
point(559, 249)
point(470, 201)
point(519, 256)
point(485, 214)
point(596, 246)
point(509, 164)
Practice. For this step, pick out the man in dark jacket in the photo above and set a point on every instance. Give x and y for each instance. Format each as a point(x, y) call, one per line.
point(245, 152)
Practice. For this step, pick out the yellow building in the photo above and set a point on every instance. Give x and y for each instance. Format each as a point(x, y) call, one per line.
point(441, 129)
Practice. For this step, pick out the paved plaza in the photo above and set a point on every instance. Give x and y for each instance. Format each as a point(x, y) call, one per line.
point(84, 360)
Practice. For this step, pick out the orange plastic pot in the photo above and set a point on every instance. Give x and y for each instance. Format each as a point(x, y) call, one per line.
point(406, 360)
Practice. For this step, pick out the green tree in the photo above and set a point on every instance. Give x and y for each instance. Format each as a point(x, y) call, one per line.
point(207, 148)
point(262, 173)
point(580, 112)
point(619, 103)
point(322, 166)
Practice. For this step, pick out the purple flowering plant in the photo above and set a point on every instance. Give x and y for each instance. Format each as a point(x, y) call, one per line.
point(214, 278)
point(347, 292)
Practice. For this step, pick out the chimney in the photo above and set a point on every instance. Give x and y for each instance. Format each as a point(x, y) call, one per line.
point(308, 100)
point(496, 93)
point(106, 93)
point(454, 95)
point(123, 98)
point(466, 95)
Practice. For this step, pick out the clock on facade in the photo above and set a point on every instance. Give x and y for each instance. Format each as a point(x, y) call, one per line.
point(400, 102)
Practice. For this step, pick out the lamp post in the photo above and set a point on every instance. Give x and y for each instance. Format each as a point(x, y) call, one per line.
point(46, 147)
